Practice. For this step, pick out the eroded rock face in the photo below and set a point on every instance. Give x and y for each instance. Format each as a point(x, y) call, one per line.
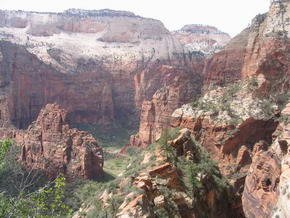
point(225, 66)
point(120, 41)
point(27, 84)
point(206, 39)
point(262, 49)
point(232, 135)
point(166, 177)
point(227, 144)
point(81, 21)
point(266, 192)
point(227, 124)
point(259, 50)
point(281, 148)
point(245, 145)
point(50, 145)
point(282, 208)
point(261, 185)
point(180, 86)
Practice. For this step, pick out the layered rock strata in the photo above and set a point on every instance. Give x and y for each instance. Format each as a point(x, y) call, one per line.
point(201, 38)
point(262, 50)
point(99, 65)
point(180, 87)
point(267, 184)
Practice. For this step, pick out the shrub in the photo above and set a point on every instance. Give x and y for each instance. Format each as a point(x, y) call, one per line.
point(252, 83)
point(167, 135)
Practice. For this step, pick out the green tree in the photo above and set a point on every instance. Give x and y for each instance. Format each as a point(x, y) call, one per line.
point(4, 148)
point(18, 199)
point(170, 152)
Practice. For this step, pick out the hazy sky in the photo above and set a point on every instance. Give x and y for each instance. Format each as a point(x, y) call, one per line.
point(230, 16)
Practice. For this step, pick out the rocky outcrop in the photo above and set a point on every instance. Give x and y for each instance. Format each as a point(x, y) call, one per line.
point(229, 145)
point(180, 86)
point(237, 125)
point(281, 149)
point(262, 50)
point(261, 185)
point(251, 147)
point(169, 184)
point(201, 38)
point(234, 128)
point(51, 146)
point(266, 187)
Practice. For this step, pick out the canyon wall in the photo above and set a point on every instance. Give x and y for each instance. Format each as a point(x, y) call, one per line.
point(99, 65)
point(262, 49)
point(232, 123)
point(103, 66)
point(181, 86)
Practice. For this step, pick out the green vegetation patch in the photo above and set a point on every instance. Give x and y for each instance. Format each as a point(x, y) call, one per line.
point(115, 163)
point(25, 192)
point(113, 137)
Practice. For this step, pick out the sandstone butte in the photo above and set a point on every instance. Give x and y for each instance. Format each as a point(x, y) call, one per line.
point(50, 145)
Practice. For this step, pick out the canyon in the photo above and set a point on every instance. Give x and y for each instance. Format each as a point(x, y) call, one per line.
point(211, 112)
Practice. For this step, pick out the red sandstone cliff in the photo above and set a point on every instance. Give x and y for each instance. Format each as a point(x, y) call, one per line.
point(266, 192)
point(262, 50)
point(98, 65)
point(28, 84)
point(180, 86)
point(137, 64)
